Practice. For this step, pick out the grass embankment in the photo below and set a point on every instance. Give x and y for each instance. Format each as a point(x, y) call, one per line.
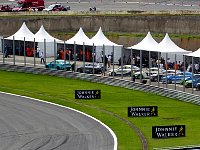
point(114, 99)
point(67, 35)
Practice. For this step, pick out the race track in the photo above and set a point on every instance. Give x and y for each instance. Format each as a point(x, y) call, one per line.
point(33, 125)
point(122, 5)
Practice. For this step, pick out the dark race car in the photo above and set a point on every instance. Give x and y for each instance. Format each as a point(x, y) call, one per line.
point(98, 68)
point(5, 8)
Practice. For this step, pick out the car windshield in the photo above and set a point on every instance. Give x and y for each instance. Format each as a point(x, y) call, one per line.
point(19, 5)
point(51, 7)
point(60, 62)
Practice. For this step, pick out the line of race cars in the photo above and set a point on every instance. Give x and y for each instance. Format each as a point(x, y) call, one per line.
point(33, 5)
point(188, 79)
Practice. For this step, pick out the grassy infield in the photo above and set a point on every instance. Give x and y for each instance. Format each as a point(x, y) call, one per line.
point(114, 99)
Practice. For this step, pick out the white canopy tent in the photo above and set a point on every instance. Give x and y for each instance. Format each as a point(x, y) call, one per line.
point(147, 44)
point(99, 40)
point(43, 34)
point(194, 54)
point(169, 47)
point(79, 38)
point(21, 33)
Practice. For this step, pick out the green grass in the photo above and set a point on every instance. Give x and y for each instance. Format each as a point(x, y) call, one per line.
point(115, 100)
point(63, 35)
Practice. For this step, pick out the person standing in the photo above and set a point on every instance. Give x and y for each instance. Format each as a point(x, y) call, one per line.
point(38, 52)
point(196, 67)
point(6, 51)
point(106, 62)
point(109, 61)
point(138, 60)
point(42, 58)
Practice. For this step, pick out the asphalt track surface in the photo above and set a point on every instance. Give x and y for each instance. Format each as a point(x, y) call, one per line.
point(122, 5)
point(34, 125)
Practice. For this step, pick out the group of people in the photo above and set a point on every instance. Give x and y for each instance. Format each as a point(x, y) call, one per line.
point(195, 66)
point(154, 62)
point(161, 63)
point(106, 60)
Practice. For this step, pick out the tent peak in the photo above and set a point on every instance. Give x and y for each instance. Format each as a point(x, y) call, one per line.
point(168, 46)
point(147, 44)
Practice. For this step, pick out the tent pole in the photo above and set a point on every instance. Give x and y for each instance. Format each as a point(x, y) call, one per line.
point(166, 67)
point(3, 48)
point(131, 64)
point(19, 47)
point(158, 69)
point(184, 72)
point(113, 58)
point(34, 51)
point(104, 64)
point(64, 56)
point(55, 53)
point(13, 50)
point(93, 55)
point(69, 55)
point(140, 66)
point(74, 56)
point(122, 63)
point(192, 74)
point(24, 51)
point(45, 53)
point(175, 72)
point(149, 67)
point(83, 57)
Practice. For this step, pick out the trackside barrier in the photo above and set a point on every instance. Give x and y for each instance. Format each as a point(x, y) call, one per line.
point(195, 147)
point(184, 96)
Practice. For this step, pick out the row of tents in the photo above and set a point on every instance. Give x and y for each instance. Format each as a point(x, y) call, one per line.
point(100, 41)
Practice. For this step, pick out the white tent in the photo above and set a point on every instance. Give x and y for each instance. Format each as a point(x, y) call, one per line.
point(169, 47)
point(99, 40)
point(43, 34)
point(21, 33)
point(79, 38)
point(147, 44)
point(194, 54)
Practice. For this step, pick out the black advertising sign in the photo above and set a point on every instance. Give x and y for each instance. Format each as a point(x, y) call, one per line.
point(168, 131)
point(87, 94)
point(143, 111)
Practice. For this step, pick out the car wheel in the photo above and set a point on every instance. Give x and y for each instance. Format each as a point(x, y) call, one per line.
point(169, 82)
point(58, 68)
point(47, 66)
point(113, 73)
point(80, 70)
point(186, 86)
